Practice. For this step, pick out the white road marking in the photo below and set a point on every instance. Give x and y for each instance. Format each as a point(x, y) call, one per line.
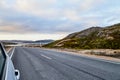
point(9, 50)
point(12, 52)
point(93, 58)
point(46, 56)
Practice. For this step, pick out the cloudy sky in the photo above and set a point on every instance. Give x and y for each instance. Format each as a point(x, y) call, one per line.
point(54, 19)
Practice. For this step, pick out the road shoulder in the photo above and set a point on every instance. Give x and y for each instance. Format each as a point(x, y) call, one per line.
point(104, 58)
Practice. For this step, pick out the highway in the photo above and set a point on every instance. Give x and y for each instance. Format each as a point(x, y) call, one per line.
point(42, 64)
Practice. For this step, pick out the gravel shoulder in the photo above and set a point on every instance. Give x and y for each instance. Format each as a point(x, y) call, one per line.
point(94, 53)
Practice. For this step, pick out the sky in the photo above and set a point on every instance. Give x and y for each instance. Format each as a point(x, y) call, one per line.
point(54, 19)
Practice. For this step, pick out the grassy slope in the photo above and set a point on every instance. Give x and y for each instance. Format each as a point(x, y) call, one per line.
point(92, 41)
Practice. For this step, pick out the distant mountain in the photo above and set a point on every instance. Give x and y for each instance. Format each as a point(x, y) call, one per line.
point(91, 38)
point(17, 41)
point(28, 41)
point(44, 41)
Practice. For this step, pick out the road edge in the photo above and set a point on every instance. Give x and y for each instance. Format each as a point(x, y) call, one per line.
point(100, 58)
point(12, 53)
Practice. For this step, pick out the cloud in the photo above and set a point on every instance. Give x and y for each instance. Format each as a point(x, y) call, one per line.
point(71, 15)
point(88, 4)
point(55, 9)
point(2, 3)
point(69, 10)
point(56, 16)
point(10, 27)
point(38, 8)
point(31, 36)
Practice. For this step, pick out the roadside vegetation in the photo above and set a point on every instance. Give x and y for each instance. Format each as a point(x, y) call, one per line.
point(92, 38)
point(107, 38)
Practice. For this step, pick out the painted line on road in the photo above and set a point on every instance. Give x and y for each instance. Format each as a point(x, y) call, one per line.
point(93, 58)
point(46, 56)
point(12, 53)
point(9, 50)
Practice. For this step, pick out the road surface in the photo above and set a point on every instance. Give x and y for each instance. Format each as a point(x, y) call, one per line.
point(41, 64)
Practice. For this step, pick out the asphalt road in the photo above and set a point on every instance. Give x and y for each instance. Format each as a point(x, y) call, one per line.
point(41, 64)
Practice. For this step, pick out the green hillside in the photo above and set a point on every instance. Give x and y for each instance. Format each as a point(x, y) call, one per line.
point(92, 38)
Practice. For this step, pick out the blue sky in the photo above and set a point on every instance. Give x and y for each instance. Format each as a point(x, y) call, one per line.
point(54, 19)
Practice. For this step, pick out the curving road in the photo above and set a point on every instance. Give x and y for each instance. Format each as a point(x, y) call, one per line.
point(41, 64)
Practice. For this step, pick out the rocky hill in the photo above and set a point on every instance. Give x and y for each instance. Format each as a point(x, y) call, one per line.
point(92, 38)
point(84, 33)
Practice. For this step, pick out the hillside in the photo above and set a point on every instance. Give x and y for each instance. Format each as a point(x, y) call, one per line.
point(92, 38)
